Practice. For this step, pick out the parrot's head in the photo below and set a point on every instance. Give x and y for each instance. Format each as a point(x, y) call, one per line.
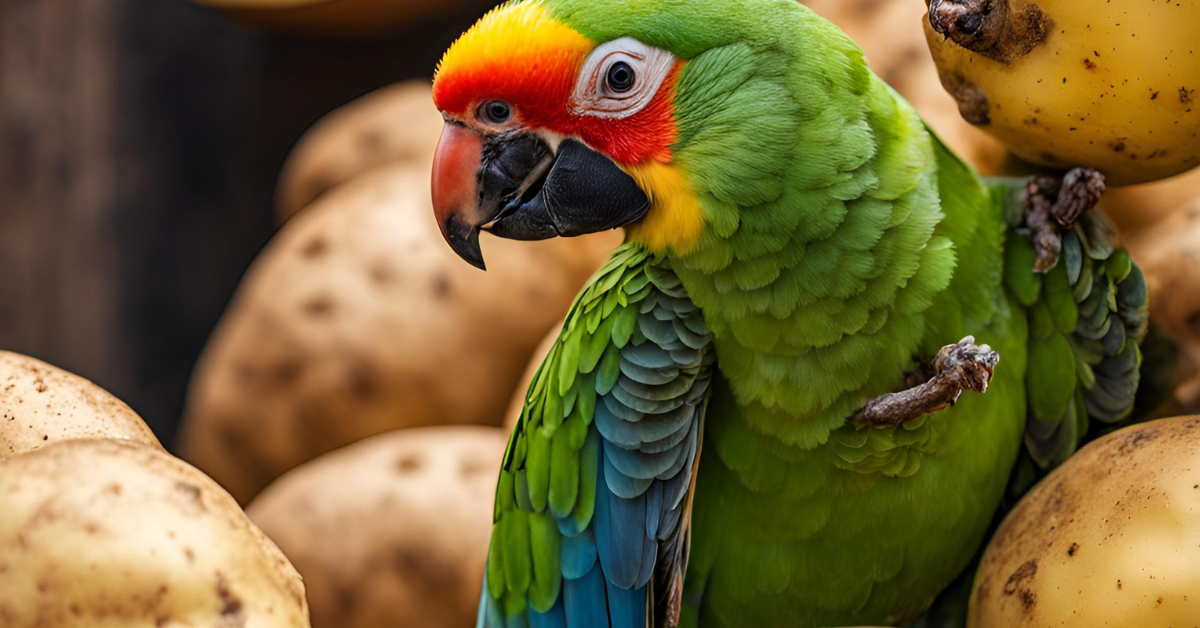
point(553, 132)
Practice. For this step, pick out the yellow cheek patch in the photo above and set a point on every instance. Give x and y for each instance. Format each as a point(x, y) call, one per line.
point(674, 221)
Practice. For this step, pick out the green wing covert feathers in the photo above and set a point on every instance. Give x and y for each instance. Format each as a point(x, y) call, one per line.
point(593, 506)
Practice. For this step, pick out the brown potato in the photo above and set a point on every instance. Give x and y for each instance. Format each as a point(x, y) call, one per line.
point(342, 18)
point(1110, 538)
point(1169, 254)
point(41, 405)
point(359, 319)
point(1137, 207)
point(104, 533)
point(395, 124)
point(392, 531)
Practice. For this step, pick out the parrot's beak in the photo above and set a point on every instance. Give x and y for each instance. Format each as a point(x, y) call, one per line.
point(515, 186)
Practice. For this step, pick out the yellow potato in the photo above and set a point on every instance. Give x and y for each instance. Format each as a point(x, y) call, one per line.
point(41, 405)
point(343, 18)
point(392, 531)
point(1110, 538)
point(358, 319)
point(1112, 85)
point(1169, 254)
point(112, 534)
point(395, 124)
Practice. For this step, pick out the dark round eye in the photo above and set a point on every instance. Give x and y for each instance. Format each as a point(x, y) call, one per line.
point(620, 77)
point(496, 111)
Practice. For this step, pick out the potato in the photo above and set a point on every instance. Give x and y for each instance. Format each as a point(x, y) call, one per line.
point(343, 18)
point(1136, 207)
point(392, 531)
point(1110, 538)
point(102, 533)
point(1169, 254)
point(889, 32)
point(41, 405)
point(395, 124)
point(1111, 85)
point(359, 319)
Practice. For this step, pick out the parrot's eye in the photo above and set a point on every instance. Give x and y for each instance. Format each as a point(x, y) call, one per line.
point(495, 111)
point(620, 78)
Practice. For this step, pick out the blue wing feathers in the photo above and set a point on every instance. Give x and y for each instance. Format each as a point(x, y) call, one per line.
point(622, 510)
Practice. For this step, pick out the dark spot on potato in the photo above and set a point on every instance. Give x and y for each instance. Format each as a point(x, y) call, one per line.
point(315, 248)
point(381, 273)
point(409, 463)
point(1135, 439)
point(1071, 550)
point(1154, 96)
point(1117, 147)
point(1185, 95)
point(40, 386)
point(189, 554)
point(363, 381)
point(1018, 585)
point(346, 600)
point(114, 488)
point(371, 141)
point(972, 101)
point(1158, 602)
point(287, 371)
point(442, 286)
point(231, 604)
point(471, 466)
point(318, 306)
point(1119, 585)
point(1089, 64)
point(192, 494)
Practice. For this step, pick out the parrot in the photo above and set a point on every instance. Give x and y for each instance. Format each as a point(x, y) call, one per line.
point(767, 407)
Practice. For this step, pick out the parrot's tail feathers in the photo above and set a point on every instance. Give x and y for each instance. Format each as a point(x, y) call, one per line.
point(585, 600)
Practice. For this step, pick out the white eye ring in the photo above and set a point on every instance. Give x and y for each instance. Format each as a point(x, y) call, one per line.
point(594, 97)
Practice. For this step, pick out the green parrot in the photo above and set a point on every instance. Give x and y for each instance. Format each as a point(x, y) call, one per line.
point(749, 416)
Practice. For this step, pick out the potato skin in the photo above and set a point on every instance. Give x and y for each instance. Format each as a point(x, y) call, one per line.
point(41, 405)
point(394, 124)
point(391, 531)
point(1169, 255)
point(358, 319)
point(112, 534)
point(1113, 85)
point(1112, 537)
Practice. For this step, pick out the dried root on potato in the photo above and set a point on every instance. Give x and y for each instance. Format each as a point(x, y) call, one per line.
point(391, 531)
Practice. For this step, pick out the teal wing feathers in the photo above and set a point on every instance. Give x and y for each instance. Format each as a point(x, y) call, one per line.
point(1087, 316)
point(592, 515)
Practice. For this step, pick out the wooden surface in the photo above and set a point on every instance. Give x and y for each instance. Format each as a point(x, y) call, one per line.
point(139, 144)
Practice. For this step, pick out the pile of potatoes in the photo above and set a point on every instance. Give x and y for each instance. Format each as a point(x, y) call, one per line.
point(357, 319)
point(101, 528)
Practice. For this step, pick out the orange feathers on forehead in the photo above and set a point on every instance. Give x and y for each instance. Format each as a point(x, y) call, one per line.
point(516, 53)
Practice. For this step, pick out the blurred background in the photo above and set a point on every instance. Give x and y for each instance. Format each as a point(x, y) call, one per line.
point(140, 141)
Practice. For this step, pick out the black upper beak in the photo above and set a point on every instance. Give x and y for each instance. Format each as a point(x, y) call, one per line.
point(519, 189)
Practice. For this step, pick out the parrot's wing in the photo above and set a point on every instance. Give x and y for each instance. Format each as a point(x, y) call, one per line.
point(1086, 318)
point(593, 505)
